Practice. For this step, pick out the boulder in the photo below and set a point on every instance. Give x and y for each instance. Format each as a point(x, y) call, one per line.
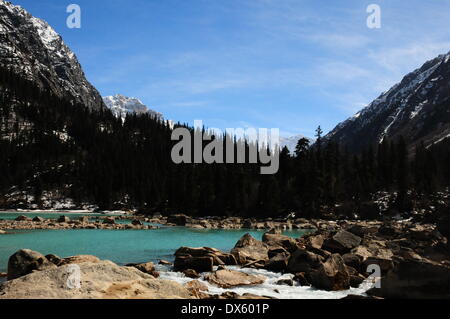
point(226, 278)
point(331, 275)
point(199, 264)
point(2, 232)
point(165, 262)
point(178, 219)
point(219, 257)
point(342, 242)
point(84, 219)
point(38, 219)
point(197, 285)
point(415, 279)
point(314, 241)
point(385, 264)
point(26, 261)
point(300, 277)
point(353, 260)
point(136, 222)
point(356, 280)
point(277, 263)
point(191, 273)
point(285, 282)
point(303, 261)
point(54, 259)
point(248, 249)
point(22, 218)
point(147, 268)
point(109, 220)
point(79, 260)
point(102, 280)
point(274, 240)
point(63, 219)
point(197, 289)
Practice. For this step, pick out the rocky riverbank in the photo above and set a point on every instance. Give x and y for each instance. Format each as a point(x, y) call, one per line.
point(413, 260)
point(85, 222)
point(409, 260)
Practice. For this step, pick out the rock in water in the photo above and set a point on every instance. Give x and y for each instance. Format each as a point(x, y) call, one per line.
point(248, 249)
point(109, 220)
point(26, 261)
point(303, 261)
point(148, 268)
point(63, 219)
point(226, 278)
point(331, 275)
point(22, 218)
point(288, 243)
point(199, 264)
point(179, 219)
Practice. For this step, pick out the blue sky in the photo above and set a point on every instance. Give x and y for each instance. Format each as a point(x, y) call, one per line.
point(288, 64)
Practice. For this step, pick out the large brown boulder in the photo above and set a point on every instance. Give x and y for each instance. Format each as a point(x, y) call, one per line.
point(148, 268)
point(415, 279)
point(277, 263)
point(63, 219)
point(226, 278)
point(249, 249)
point(38, 219)
point(342, 242)
point(288, 243)
point(303, 261)
point(102, 280)
point(331, 275)
point(199, 264)
point(26, 261)
point(219, 257)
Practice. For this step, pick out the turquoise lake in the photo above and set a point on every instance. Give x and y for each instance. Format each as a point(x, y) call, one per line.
point(120, 246)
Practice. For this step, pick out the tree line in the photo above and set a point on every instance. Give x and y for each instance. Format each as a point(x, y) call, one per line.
point(50, 143)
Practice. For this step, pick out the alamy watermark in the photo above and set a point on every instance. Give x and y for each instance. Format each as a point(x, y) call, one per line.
point(375, 275)
point(253, 146)
point(74, 279)
point(74, 19)
point(374, 18)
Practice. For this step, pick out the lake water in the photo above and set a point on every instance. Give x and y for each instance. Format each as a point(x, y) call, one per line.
point(134, 246)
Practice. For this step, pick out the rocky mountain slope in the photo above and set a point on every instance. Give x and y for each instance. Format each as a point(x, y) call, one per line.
point(32, 48)
point(121, 105)
point(417, 108)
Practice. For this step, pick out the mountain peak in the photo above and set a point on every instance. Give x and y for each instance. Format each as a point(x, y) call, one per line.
point(121, 105)
point(416, 108)
point(32, 48)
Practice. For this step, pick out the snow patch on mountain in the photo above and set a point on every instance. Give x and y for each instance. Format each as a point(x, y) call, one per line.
point(32, 48)
point(121, 105)
point(415, 108)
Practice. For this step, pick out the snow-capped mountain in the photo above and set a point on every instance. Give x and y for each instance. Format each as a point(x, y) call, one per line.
point(291, 142)
point(121, 105)
point(417, 108)
point(31, 47)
